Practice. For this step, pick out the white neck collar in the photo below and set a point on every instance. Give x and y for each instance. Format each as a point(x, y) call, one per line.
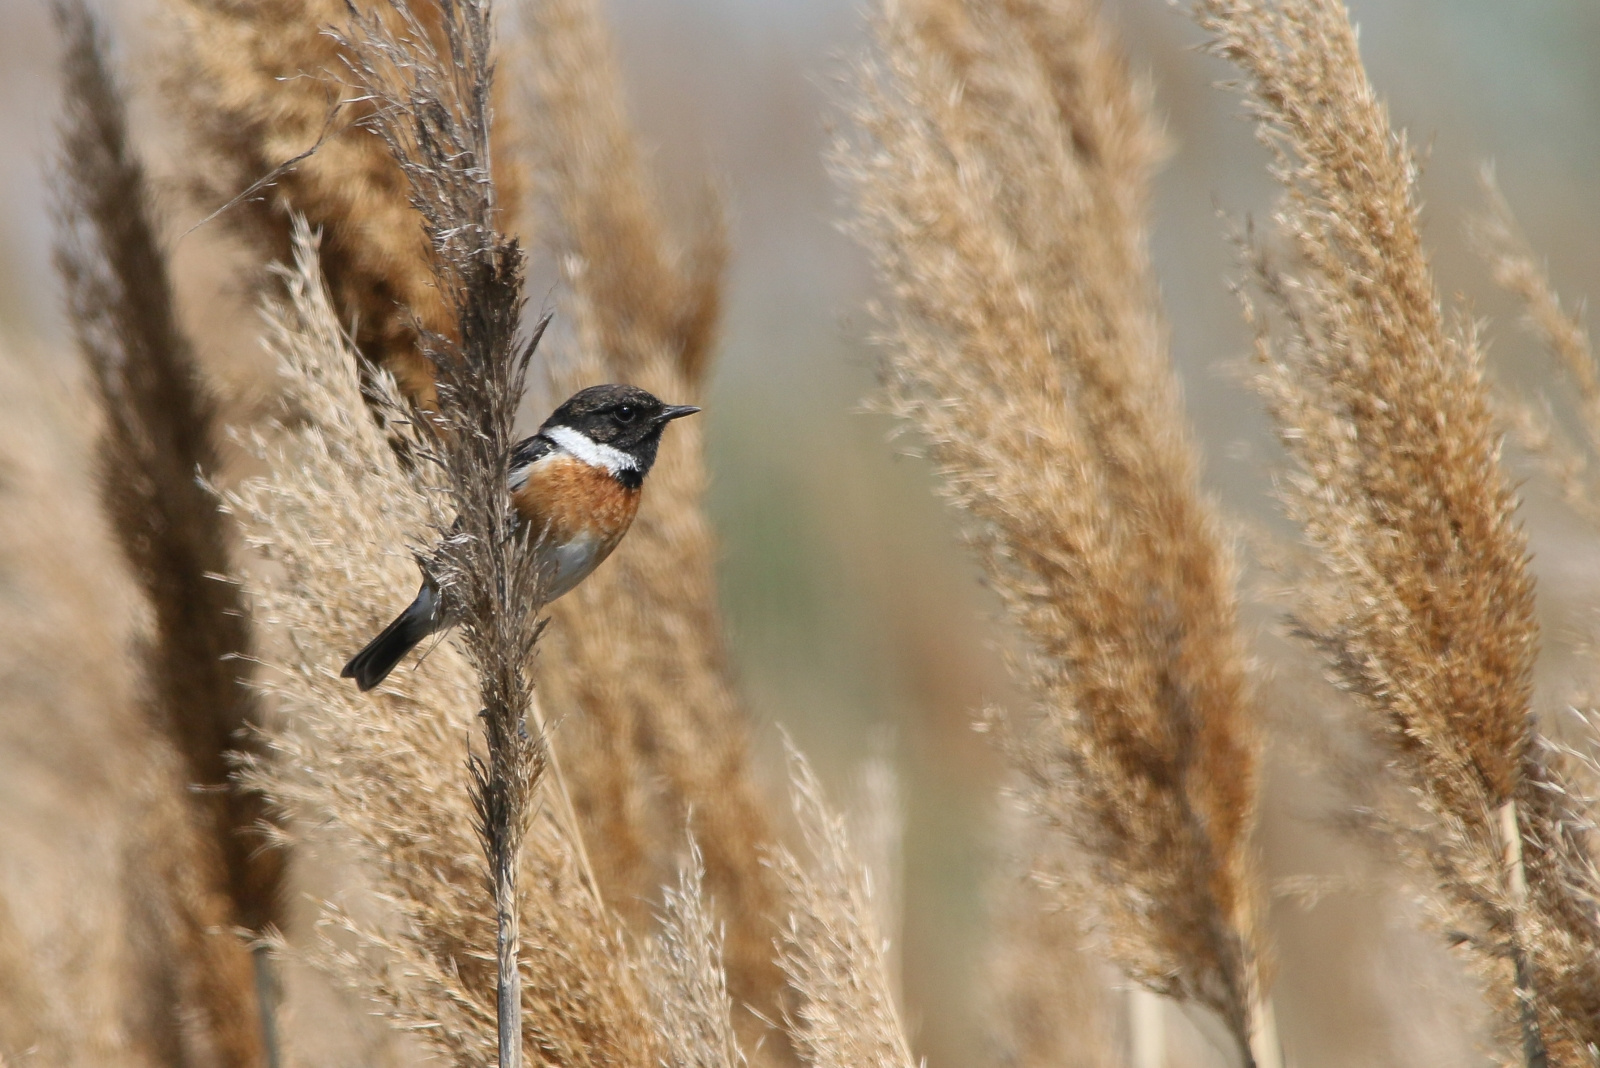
point(590, 451)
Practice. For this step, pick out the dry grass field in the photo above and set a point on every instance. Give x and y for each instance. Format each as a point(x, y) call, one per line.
point(1129, 600)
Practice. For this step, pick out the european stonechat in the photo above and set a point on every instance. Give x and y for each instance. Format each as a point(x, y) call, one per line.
point(577, 480)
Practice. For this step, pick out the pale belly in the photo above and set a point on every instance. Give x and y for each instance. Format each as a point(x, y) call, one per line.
point(571, 563)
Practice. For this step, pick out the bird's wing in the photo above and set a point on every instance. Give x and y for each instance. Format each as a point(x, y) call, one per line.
point(524, 455)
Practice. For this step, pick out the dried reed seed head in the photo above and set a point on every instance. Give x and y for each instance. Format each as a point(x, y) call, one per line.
point(1001, 199)
point(683, 969)
point(156, 448)
point(1423, 598)
point(1384, 410)
point(203, 881)
point(651, 295)
point(831, 949)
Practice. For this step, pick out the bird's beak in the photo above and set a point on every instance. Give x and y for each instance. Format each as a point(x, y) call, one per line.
point(675, 411)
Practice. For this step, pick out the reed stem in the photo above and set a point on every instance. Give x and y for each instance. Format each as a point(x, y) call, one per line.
point(1266, 1051)
point(509, 980)
point(1534, 1054)
point(1147, 1028)
point(267, 1004)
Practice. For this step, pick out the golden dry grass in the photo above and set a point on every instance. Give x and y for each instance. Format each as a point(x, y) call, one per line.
point(1420, 597)
point(430, 75)
point(260, 84)
point(686, 979)
point(212, 876)
point(1000, 176)
point(1001, 162)
point(134, 962)
point(156, 449)
point(832, 950)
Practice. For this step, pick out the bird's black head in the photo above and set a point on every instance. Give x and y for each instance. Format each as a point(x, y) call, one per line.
point(624, 418)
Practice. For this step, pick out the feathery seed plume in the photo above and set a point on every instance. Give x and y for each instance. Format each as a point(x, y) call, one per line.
point(261, 84)
point(1500, 242)
point(685, 976)
point(1422, 600)
point(432, 84)
point(155, 449)
point(831, 949)
point(1001, 171)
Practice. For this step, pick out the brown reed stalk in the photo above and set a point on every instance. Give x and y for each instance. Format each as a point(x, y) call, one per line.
point(376, 776)
point(653, 728)
point(831, 948)
point(1421, 601)
point(155, 449)
point(433, 107)
point(1001, 170)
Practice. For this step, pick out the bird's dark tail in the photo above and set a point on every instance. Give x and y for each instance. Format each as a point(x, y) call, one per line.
point(372, 665)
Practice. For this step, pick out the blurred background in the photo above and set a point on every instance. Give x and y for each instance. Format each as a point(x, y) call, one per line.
point(858, 624)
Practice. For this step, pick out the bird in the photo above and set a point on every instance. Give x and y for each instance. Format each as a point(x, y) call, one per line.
point(577, 482)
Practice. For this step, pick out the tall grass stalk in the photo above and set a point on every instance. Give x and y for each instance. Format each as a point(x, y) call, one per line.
point(432, 86)
point(1000, 173)
point(155, 452)
point(1420, 597)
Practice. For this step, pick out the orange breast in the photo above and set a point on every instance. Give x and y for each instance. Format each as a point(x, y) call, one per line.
point(573, 500)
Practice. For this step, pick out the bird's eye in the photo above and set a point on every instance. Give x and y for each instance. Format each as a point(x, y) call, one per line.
point(626, 413)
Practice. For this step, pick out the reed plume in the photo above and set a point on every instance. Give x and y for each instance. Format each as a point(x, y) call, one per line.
point(685, 976)
point(260, 86)
point(378, 776)
point(1421, 601)
point(156, 446)
point(1000, 172)
point(261, 83)
point(831, 948)
point(433, 112)
point(653, 726)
